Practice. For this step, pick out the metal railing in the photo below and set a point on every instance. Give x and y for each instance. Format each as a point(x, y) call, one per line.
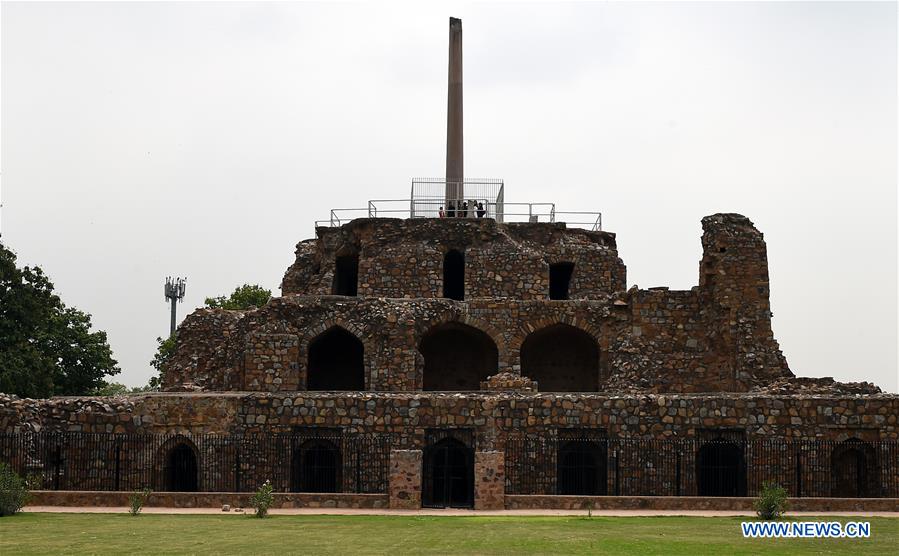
point(587, 465)
point(437, 208)
point(349, 463)
point(564, 462)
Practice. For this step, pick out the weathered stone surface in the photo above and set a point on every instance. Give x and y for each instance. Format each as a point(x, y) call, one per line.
point(405, 479)
point(489, 481)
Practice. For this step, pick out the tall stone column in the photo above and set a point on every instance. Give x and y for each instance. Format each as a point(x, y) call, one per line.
point(454, 167)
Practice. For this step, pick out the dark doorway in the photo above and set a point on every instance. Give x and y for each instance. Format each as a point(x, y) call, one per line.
point(720, 469)
point(457, 357)
point(581, 468)
point(336, 361)
point(448, 475)
point(850, 472)
point(560, 280)
point(346, 274)
point(316, 467)
point(561, 358)
point(454, 275)
point(181, 469)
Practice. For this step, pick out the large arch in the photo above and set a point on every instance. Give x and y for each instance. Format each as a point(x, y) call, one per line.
point(457, 357)
point(852, 469)
point(721, 469)
point(561, 358)
point(180, 472)
point(316, 467)
point(336, 361)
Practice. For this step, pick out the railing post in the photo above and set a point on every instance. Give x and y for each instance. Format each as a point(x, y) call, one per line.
point(57, 461)
point(237, 466)
point(617, 471)
point(677, 473)
point(118, 458)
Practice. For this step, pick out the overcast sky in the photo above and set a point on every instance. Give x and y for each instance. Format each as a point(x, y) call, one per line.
point(143, 140)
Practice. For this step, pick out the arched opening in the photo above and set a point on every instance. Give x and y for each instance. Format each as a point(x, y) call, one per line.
point(457, 357)
point(448, 475)
point(560, 280)
point(346, 274)
point(851, 471)
point(336, 361)
point(720, 469)
point(181, 469)
point(316, 467)
point(561, 358)
point(581, 468)
point(454, 275)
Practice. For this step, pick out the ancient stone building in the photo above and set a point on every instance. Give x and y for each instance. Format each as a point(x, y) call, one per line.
point(471, 362)
point(457, 361)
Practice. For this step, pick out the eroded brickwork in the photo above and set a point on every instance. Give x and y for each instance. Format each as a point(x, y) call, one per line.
point(715, 337)
point(659, 364)
point(405, 479)
point(489, 481)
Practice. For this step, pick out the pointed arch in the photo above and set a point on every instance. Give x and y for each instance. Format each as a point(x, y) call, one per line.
point(457, 357)
point(561, 358)
point(336, 361)
point(178, 461)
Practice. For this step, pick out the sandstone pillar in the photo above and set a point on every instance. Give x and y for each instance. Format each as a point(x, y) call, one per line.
point(489, 481)
point(404, 482)
point(454, 167)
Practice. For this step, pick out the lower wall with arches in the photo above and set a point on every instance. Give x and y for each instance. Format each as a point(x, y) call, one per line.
point(549, 444)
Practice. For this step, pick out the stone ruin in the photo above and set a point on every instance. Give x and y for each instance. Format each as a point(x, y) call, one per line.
point(475, 363)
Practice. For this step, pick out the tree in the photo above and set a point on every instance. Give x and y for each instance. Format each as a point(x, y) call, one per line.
point(164, 351)
point(46, 348)
point(244, 297)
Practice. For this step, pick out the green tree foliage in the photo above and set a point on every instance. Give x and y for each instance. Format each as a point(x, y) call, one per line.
point(46, 348)
point(243, 298)
point(164, 351)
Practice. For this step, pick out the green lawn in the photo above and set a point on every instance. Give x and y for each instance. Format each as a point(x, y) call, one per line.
point(350, 535)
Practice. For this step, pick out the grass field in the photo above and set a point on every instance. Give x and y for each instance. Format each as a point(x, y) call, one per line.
point(231, 534)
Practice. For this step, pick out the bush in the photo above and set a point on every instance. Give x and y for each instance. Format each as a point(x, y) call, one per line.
point(263, 499)
point(772, 501)
point(137, 499)
point(13, 492)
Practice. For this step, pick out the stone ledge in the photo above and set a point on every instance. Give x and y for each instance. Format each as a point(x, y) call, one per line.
point(88, 498)
point(547, 502)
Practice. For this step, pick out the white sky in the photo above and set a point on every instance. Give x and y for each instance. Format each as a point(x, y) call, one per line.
point(143, 140)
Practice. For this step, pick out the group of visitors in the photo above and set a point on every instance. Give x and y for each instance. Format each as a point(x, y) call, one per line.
point(463, 209)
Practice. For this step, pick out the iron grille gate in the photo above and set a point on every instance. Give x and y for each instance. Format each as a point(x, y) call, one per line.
point(448, 468)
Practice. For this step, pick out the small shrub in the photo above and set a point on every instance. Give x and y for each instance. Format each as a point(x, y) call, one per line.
point(590, 506)
point(34, 481)
point(13, 491)
point(772, 501)
point(137, 499)
point(263, 499)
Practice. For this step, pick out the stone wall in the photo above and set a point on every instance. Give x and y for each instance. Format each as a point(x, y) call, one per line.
point(404, 258)
point(489, 481)
point(715, 337)
point(490, 415)
point(404, 482)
